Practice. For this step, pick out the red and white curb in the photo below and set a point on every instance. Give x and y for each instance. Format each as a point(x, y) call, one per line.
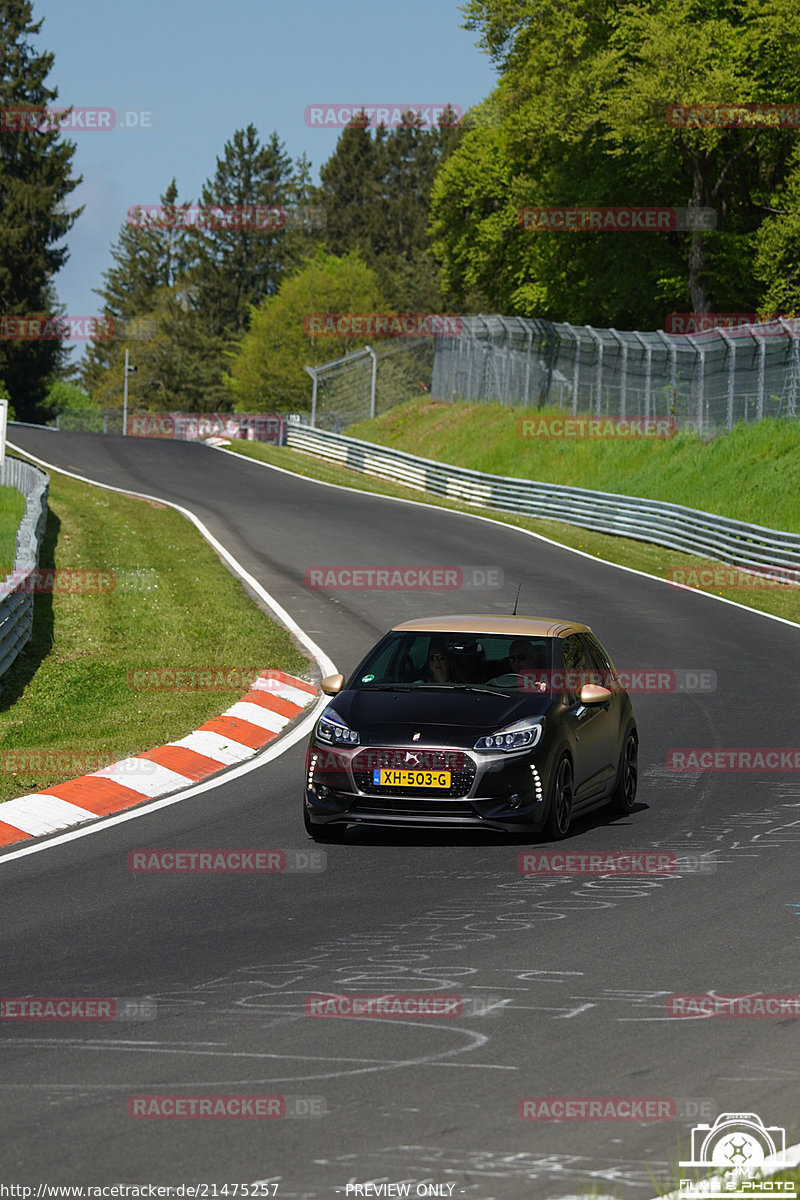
point(239, 733)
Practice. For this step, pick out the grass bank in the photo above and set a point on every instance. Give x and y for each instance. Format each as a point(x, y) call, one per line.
point(86, 686)
point(752, 474)
point(12, 510)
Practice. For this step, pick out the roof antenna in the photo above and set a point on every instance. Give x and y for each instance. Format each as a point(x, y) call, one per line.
point(516, 602)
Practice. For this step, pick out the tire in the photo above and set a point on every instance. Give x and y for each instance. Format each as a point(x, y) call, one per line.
point(560, 811)
point(623, 797)
point(323, 833)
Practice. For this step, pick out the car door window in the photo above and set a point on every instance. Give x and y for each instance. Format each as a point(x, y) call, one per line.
point(578, 667)
point(600, 660)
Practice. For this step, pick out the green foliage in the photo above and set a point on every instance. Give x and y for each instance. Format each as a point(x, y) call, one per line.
point(35, 182)
point(63, 395)
point(180, 293)
point(376, 193)
point(579, 117)
point(267, 370)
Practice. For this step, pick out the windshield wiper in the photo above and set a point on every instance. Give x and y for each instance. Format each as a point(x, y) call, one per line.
point(388, 687)
point(474, 687)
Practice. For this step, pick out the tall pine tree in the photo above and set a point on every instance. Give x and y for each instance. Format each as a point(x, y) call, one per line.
point(35, 181)
point(233, 268)
point(149, 256)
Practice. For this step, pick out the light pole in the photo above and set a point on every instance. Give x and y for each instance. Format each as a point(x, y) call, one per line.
point(128, 371)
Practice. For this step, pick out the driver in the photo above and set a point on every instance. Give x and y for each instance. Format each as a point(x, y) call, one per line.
point(526, 658)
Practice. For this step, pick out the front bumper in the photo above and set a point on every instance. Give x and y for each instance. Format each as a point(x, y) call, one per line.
point(491, 790)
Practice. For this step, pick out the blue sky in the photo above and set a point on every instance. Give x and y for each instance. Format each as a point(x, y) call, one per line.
point(206, 69)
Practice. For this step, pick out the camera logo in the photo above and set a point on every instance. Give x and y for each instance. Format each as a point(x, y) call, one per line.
point(737, 1145)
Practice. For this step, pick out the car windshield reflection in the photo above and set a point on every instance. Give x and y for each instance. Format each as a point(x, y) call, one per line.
point(456, 662)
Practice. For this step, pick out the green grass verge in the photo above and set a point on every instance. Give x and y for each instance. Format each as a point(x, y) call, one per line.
point(752, 474)
point(780, 601)
point(174, 605)
point(12, 510)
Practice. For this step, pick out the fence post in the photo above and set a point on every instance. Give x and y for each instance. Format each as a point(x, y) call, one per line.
point(623, 391)
point(794, 371)
point(701, 375)
point(576, 368)
point(528, 361)
point(762, 370)
point(373, 381)
point(595, 336)
point(313, 375)
point(648, 349)
point(731, 376)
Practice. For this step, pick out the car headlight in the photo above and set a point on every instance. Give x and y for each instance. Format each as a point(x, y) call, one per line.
point(332, 730)
point(522, 735)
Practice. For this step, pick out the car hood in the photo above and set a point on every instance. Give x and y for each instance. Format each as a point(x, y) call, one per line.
point(450, 716)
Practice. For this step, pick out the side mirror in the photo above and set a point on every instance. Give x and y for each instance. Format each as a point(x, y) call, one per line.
point(592, 693)
point(333, 684)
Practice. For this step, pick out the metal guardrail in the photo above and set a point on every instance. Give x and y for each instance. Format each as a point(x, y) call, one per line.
point(16, 597)
point(753, 547)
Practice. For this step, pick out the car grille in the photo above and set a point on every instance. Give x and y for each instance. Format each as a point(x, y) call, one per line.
point(460, 766)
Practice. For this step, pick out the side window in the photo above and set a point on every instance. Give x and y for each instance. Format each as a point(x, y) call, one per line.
point(578, 668)
point(600, 659)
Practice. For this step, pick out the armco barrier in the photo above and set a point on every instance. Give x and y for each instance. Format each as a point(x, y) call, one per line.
point(16, 602)
point(672, 525)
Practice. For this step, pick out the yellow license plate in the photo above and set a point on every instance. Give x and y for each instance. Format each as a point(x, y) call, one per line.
point(411, 779)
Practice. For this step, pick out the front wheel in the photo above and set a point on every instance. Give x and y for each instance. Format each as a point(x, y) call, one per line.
point(560, 813)
point(624, 795)
point(323, 833)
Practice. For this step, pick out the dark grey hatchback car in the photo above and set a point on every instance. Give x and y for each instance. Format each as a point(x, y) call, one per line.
point(514, 724)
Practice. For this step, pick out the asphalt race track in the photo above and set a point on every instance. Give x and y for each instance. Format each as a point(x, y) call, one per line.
point(578, 968)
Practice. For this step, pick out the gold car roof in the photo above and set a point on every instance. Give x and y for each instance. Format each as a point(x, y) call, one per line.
point(505, 626)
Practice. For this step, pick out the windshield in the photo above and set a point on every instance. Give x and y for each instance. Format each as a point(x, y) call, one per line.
point(452, 660)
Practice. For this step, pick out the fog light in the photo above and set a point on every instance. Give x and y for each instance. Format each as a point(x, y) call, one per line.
point(322, 792)
point(515, 801)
